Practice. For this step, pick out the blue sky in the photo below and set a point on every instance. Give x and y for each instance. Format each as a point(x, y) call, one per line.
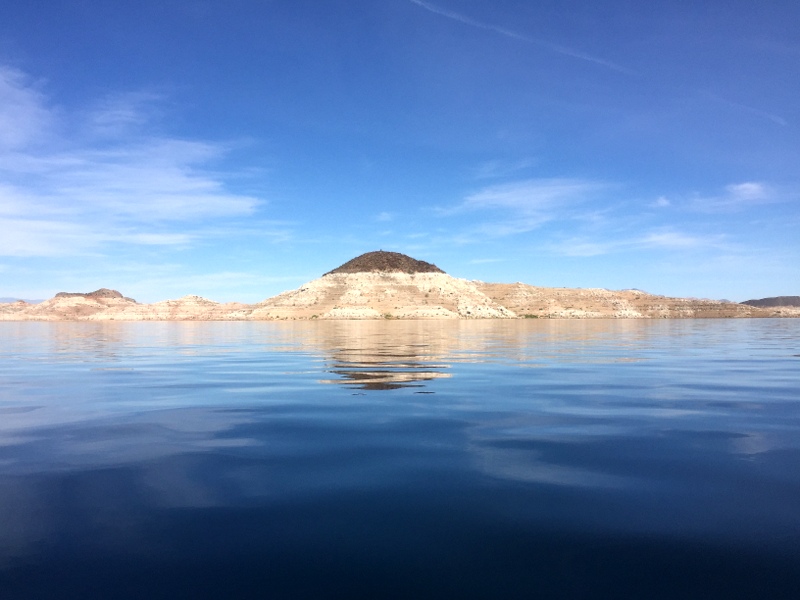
point(238, 149)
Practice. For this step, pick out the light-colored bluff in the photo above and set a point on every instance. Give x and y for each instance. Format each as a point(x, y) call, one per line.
point(389, 285)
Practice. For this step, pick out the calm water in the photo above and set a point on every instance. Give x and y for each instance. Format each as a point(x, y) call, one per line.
point(530, 459)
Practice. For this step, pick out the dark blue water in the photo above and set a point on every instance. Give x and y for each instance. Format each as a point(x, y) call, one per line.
point(525, 459)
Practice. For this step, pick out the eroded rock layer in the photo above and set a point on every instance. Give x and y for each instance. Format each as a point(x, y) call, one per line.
point(383, 295)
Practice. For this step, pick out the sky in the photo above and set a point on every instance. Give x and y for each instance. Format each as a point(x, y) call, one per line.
point(238, 149)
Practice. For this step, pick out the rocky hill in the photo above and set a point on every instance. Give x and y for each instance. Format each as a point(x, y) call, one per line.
point(386, 285)
point(774, 301)
point(376, 295)
point(390, 285)
point(97, 294)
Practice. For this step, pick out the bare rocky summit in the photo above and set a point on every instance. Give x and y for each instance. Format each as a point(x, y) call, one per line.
point(386, 262)
point(390, 285)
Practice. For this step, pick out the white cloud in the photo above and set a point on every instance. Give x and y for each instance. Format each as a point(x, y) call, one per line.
point(740, 196)
point(23, 116)
point(37, 237)
point(118, 113)
point(384, 216)
point(522, 206)
point(533, 196)
point(662, 202)
point(660, 239)
point(493, 169)
point(674, 240)
point(748, 191)
point(583, 248)
point(62, 195)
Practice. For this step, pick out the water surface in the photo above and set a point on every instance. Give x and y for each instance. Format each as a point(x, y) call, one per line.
point(553, 459)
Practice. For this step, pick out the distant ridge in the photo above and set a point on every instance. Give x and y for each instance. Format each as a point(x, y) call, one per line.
point(774, 301)
point(382, 261)
point(26, 300)
point(101, 293)
point(391, 285)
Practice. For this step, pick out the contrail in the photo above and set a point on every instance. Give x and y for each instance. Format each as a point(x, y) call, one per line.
point(518, 36)
point(756, 111)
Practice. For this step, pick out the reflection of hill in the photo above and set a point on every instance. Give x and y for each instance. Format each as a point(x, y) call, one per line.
point(379, 355)
point(382, 376)
point(384, 355)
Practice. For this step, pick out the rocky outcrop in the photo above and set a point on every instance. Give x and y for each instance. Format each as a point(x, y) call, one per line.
point(594, 303)
point(97, 294)
point(376, 295)
point(187, 308)
point(116, 307)
point(70, 307)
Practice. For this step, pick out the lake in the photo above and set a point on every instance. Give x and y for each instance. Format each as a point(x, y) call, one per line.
point(400, 459)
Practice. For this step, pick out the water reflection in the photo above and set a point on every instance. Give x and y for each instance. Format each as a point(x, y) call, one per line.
point(381, 375)
point(191, 443)
point(380, 355)
point(370, 357)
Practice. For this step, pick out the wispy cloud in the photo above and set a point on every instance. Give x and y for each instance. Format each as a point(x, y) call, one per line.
point(557, 48)
point(657, 239)
point(661, 202)
point(531, 196)
point(62, 195)
point(22, 113)
point(118, 113)
point(497, 168)
point(739, 196)
point(522, 206)
point(675, 240)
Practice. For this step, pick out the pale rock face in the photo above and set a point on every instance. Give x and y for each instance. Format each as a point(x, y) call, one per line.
point(568, 303)
point(66, 308)
point(383, 295)
point(79, 308)
point(393, 295)
point(187, 308)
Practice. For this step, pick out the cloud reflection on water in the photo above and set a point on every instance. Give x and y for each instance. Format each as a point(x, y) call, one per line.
point(149, 417)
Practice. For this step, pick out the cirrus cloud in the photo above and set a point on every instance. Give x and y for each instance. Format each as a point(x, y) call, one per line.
point(111, 182)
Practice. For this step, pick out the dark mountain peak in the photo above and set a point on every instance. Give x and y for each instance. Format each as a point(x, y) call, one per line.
point(382, 261)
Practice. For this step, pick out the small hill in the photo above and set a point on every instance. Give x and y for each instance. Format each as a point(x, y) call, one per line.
point(381, 261)
point(104, 293)
point(774, 301)
point(379, 285)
